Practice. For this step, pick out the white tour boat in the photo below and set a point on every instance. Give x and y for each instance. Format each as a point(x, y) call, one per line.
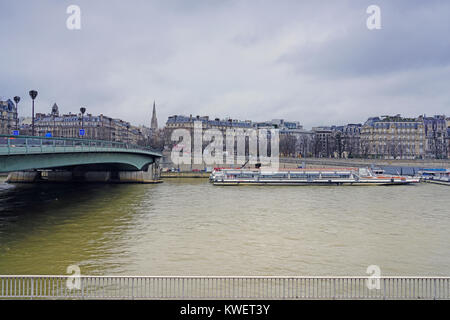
point(319, 176)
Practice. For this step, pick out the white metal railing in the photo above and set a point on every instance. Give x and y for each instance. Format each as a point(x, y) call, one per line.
point(197, 287)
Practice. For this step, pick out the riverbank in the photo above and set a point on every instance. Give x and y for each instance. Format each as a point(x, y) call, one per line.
point(402, 167)
point(288, 162)
point(427, 163)
point(186, 174)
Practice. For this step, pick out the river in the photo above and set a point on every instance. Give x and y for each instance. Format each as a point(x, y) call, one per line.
point(190, 227)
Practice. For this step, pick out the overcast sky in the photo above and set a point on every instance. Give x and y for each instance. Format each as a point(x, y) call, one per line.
point(310, 61)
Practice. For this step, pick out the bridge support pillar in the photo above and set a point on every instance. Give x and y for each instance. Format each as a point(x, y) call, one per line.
point(151, 175)
point(59, 176)
point(23, 176)
point(97, 176)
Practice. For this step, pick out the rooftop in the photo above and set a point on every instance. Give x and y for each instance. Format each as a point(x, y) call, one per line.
point(205, 119)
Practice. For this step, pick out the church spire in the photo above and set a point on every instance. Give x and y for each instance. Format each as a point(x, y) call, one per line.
point(154, 123)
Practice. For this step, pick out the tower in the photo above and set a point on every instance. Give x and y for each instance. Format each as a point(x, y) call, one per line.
point(154, 123)
point(55, 111)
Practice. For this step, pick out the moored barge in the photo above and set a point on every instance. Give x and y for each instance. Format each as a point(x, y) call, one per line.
point(320, 176)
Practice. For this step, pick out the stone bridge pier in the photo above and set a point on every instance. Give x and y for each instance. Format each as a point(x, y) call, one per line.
point(149, 174)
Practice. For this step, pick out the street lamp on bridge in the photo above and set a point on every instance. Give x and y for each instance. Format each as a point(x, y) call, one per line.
point(82, 110)
point(33, 95)
point(128, 129)
point(17, 100)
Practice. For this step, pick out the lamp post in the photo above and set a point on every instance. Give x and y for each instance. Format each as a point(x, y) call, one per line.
point(128, 128)
point(110, 129)
point(17, 100)
point(82, 110)
point(33, 95)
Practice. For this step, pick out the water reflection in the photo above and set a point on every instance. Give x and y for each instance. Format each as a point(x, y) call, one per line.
point(44, 228)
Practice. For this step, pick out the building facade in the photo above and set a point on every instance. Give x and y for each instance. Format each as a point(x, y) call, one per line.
point(99, 127)
point(448, 142)
point(393, 137)
point(8, 117)
point(347, 140)
point(324, 142)
point(184, 122)
point(224, 126)
point(294, 141)
point(435, 136)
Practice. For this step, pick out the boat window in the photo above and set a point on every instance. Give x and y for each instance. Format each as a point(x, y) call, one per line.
point(330, 175)
point(279, 175)
point(298, 175)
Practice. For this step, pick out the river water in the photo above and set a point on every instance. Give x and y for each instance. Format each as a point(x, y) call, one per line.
point(190, 227)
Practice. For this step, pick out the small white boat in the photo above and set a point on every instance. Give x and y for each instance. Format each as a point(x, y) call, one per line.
point(320, 176)
point(439, 176)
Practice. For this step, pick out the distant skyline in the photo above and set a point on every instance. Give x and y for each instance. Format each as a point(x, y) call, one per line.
point(307, 61)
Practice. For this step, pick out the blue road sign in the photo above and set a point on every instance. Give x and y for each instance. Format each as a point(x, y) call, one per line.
point(48, 134)
point(81, 132)
point(15, 132)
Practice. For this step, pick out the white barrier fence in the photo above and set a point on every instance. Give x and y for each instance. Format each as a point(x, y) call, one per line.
point(197, 287)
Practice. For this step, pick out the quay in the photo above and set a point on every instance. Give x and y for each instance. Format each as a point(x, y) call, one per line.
point(186, 174)
point(444, 183)
point(395, 167)
point(390, 166)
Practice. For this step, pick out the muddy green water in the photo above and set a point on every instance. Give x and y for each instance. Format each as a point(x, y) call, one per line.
point(189, 227)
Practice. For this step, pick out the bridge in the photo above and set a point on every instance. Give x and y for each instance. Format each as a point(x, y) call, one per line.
point(30, 159)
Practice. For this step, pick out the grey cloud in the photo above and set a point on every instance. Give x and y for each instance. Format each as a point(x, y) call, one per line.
point(301, 60)
point(413, 36)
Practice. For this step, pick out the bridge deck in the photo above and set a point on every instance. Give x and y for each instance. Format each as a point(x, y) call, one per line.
point(10, 145)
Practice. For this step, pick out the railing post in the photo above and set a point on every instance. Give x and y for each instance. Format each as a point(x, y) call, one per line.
point(434, 298)
point(82, 287)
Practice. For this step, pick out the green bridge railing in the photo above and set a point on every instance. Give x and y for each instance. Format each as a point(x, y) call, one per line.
point(10, 145)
